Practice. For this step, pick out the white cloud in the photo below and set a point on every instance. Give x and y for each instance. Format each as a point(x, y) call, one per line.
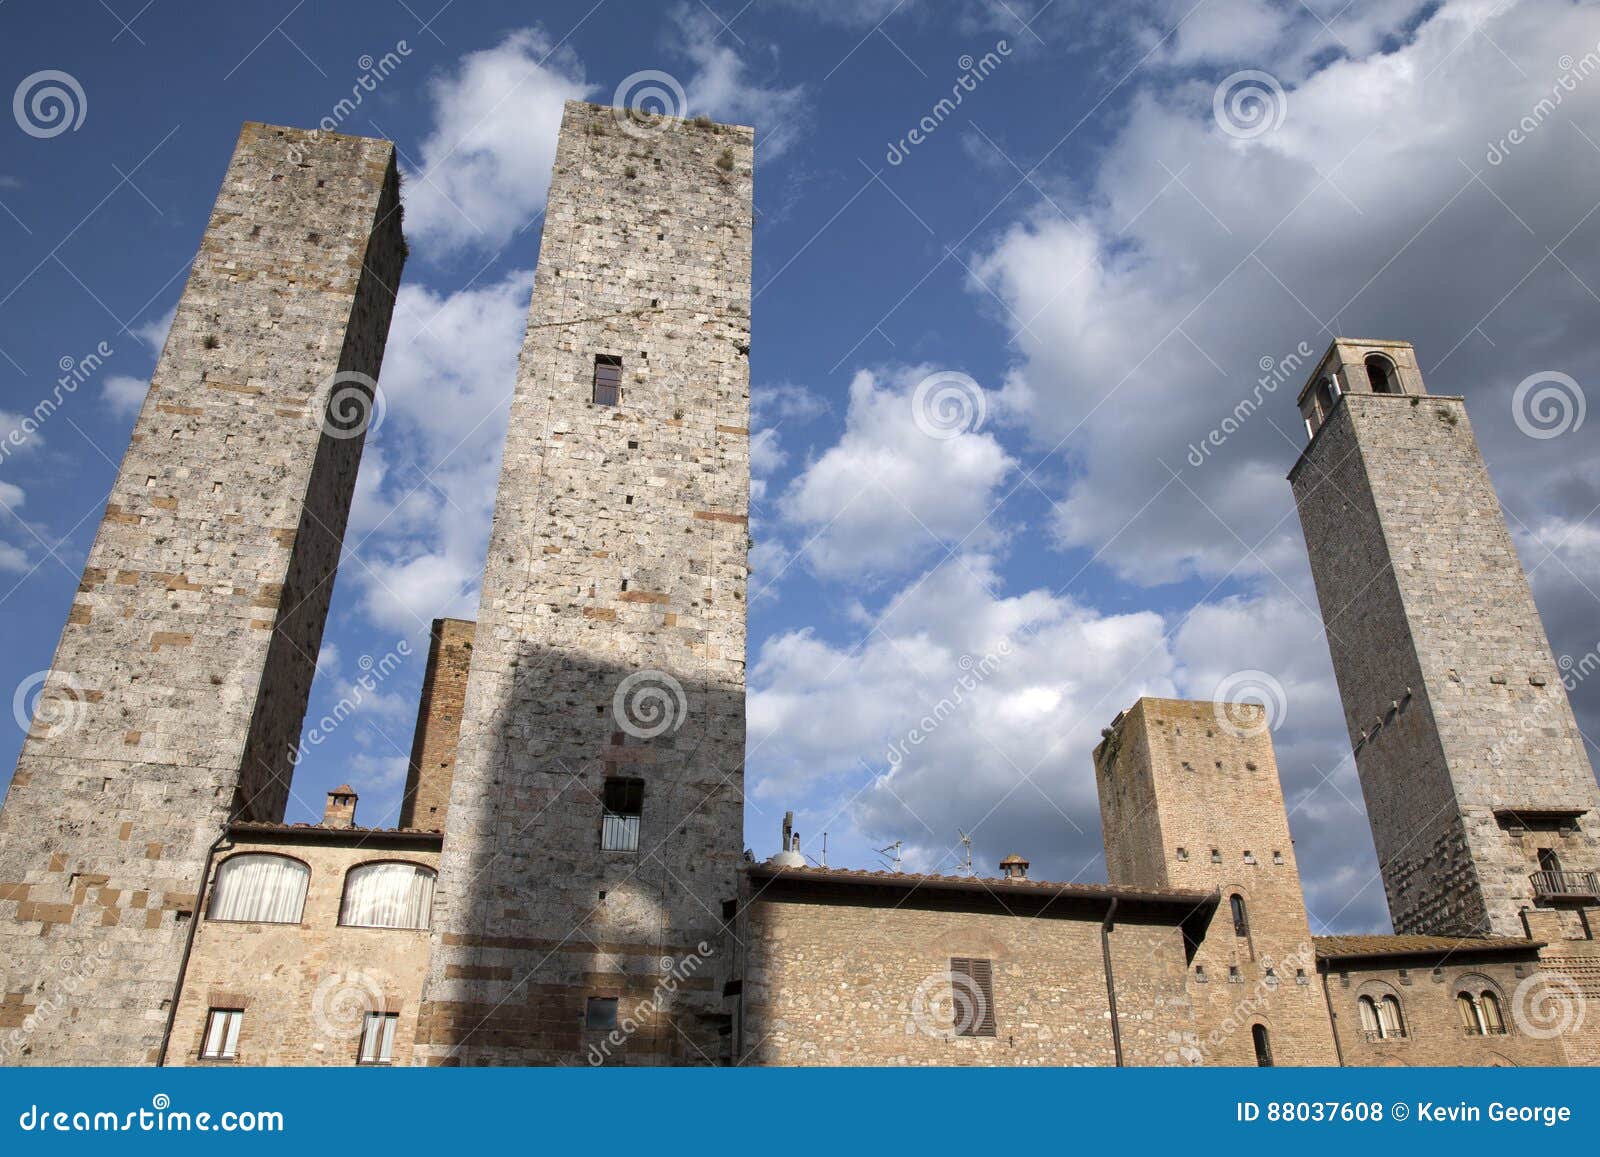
point(766, 454)
point(11, 495)
point(721, 87)
point(888, 494)
point(485, 167)
point(154, 332)
point(124, 395)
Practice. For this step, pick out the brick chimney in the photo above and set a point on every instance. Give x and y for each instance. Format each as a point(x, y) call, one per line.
point(1014, 867)
point(341, 809)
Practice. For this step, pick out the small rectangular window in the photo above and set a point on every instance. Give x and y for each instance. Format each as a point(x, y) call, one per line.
point(973, 981)
point(622, 804)
point(600, 1013)
point(222, 1034)
point(377, 1038)
point(607, 380)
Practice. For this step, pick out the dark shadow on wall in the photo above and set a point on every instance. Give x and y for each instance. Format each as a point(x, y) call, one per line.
point(567, 930)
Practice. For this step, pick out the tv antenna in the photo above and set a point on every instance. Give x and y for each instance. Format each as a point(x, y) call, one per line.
point(892, 854)
point(966, 846)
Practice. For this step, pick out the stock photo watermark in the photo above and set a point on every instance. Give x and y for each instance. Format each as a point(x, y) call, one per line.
point(49, 103)
point(1548, 404)
point(648, 103)
point(1274, 373)
point(649, 703)
point(374, 672)
point(973, 73)
point(373, 73)
point(646, 1013)
point(1573, 73)
point(75, 372)
point(1249, 104)
point(1249, 703)
point(974, 673)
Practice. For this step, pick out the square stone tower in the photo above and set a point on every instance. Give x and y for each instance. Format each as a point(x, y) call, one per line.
point(177, 692)
point(595, 818)
point(1481, 798)
point(426, 801)
point(1190, 799)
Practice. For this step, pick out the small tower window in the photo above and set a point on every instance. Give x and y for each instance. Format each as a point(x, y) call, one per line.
point(1241, 925)
point(623, 804)
point(1381, 373)
point(1183, 853)
point(1216, 855)
point(1258, 1034)
point(607, 380)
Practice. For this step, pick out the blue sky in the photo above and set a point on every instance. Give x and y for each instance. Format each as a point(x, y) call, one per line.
point(1132, 215)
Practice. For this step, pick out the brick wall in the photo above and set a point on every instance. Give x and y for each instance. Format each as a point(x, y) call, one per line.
point(180, 681)
point(433, 748)
point(615, 576)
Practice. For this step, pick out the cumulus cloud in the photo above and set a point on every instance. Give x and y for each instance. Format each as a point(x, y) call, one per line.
point(721, 86)
point(123, 395)
point(889, 493)
point(485, 168)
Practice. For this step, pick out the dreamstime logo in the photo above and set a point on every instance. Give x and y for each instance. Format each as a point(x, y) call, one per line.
point(341, 1002)
point(947, 1005)
point(355, 405)
point(373, 73)
point(1573, 72)
point(1547, 1005)
point(1274, 372)
point(373, 673)
point(973, 73)
point(1548, 404)
point(47, 104)
point(74, 373)
point(947, 405)
point(50, 701)
point(647, 1012)
point(649, 703)
point(1249, 104)
point(649, 103)
point(1249, 703)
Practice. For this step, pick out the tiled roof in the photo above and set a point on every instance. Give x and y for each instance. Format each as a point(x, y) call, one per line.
point(997, 884)
point(323, 831)
point(1352, 947)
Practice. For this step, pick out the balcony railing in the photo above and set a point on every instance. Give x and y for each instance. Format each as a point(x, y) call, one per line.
point(1566, 885)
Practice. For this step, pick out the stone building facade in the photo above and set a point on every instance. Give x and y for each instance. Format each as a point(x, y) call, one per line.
point(596, 808)
point(176, 695)
point(567, 884)
point(1479, 790)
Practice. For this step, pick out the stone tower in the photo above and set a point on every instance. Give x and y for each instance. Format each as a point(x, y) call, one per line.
point(177, 691)
point(433, 746)
point(1190, 799)
point(594, 832)
point(1481, 798)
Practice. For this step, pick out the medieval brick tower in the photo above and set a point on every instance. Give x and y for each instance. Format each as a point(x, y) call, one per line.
point(1190, 799)
point(177, 692)
point(595, 814)
point(1481, 797)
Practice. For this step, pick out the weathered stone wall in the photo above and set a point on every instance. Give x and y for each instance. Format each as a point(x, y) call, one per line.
point(1190, 798)
point(616, 571)
point(836, 977)
point(1452, 698)
point(1434, 1035)
point(305, 988)
point(180, 682)
point(433, 747)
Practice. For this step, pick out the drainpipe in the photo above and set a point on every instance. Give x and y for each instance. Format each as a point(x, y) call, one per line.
point(1333, 1021)
point(1111, 983)
point(188, 945)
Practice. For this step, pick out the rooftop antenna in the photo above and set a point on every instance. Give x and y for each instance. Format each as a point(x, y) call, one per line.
point(824, 849)
point(966, 844)
point(892, 854)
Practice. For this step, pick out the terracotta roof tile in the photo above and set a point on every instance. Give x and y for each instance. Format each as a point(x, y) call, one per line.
point(911, 880)
point(1351, 947)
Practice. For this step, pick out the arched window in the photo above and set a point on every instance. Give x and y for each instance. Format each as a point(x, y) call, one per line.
point(1369, 1016)
point(1381, 373)
point(260, 888)
point(1390, 1021)
point(387, 895)
point(1258, 1034)
point(1480, 1013)
point(1493, 1022)
point(1326, 393)
point(1241, 926)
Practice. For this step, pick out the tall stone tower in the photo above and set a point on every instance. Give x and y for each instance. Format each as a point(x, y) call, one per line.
point(1481, 797)
point(426, 801)
point(1190, 799)
point(178, 689)
point(594, 831)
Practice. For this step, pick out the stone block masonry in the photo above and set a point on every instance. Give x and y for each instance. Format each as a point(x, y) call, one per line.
point(611, 634)
point(179, 685)
point(433, 747)
point(1470, 760)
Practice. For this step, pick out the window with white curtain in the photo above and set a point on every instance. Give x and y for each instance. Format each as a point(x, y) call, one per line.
point(222, 1034)
point(377, 1039)
point(389, 895)
point(260, 888)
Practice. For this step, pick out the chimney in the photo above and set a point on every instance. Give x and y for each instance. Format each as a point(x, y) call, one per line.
point(1014, 867)
point(789, 855)
point(341, 809)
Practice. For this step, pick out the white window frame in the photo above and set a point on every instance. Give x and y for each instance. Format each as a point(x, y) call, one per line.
point(221, 1040)
point(377, 1038)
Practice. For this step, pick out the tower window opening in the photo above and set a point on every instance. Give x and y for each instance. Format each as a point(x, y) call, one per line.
point(1258, 1034)
point(607, 380)
point(622, 804)
point(1381, 373)
point(1480, 1013)
point(1241, 925)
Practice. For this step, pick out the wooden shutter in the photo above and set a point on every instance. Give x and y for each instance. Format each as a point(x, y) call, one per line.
point(979, 984)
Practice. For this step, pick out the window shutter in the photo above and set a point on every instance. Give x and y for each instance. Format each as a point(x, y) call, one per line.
point(973, 982)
